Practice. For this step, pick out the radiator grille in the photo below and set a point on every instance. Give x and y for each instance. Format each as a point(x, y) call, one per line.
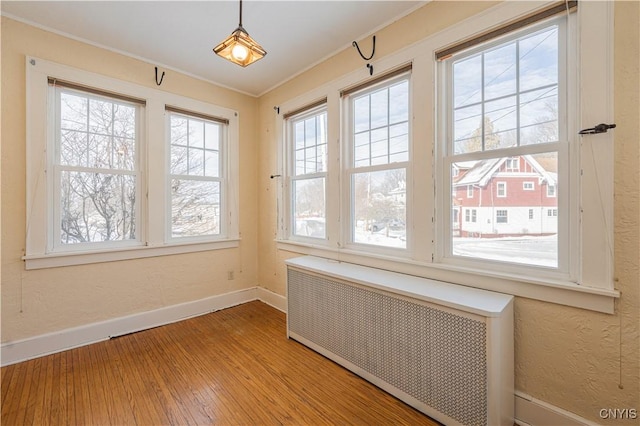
point(435, 356)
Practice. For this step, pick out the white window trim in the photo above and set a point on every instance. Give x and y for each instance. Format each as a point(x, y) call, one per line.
point(528, 186)
point(595, 289)
point(349, 170)
point(504, 189)
point(222, 151)
point(154, 240)
point(290, 175)
point(469, 191)
point(54, 244)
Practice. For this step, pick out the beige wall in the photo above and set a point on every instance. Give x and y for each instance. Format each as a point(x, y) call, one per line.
point(578, 360)
point(574, 359)
point(41, 301)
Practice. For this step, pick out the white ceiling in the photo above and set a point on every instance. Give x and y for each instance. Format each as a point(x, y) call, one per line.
point(180, 35)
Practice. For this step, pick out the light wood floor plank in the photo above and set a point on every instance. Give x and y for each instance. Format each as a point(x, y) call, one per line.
point(232, 367)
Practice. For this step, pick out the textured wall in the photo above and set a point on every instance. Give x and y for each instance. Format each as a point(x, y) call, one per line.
point(41, 301)
point(578, 360)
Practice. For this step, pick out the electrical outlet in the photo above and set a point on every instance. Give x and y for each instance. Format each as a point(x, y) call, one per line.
point(230, 275)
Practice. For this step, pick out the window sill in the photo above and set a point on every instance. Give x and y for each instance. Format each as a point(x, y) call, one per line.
point(55, 260)
point(553, 291)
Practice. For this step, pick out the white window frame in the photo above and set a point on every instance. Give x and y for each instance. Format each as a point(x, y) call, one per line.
point(501, 189)
point(509, 164)
point(592, 286)
point(469, 191)
point(54, 243)
point(566, 270)
point(291, 176)
point(551, 191)
point(221, 179)
point(528, 186)
point(349, 170)
point(154, 240)
point(502, 213)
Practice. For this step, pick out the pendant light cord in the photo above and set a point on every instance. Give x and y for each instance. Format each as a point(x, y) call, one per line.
point(240, 24)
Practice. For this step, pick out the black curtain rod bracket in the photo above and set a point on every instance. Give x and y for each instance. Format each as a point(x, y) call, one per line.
point(161, 77)
point(373, 52)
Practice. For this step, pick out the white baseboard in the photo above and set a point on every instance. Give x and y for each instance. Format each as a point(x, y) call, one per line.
point(45, 344)
point(272, 299)
point(534, 412)
point(528, 410)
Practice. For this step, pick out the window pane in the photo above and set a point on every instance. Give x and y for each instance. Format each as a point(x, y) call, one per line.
point(399, 99)
point(73, 112)
point(96, 207)
point(73, 148)
point(539, 59)
point(124, 124)
point(500, 123)
point(96, 133)
point(385, 139)
point(539, 116)
point(309, 207)
point(500, 72)
point(179, 160)
point(467, 81)
point(518, 101)
point(310, 144)
point(379, 108)
point(100, 117)
point(212, 136)
point(467, 129)
point(196, 162)
point(379, 208)
point(512, 222)
point(195, 208)
point(211, 164)
point(196, 133)
point(361, 114)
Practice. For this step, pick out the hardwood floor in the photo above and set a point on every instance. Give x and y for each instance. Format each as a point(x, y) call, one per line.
point(231, 367)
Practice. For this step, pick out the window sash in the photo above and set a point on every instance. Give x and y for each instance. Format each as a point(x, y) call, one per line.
point(361, 233)
point(312, 110)
point(561, 147)
point(55, 231)
point(212, 212)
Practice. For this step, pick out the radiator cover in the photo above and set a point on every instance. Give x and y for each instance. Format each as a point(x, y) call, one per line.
point(432, 356)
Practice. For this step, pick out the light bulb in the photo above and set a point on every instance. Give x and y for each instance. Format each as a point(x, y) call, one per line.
point(239, 52)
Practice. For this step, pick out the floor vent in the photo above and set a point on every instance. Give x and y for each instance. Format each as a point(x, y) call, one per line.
point(449, 355)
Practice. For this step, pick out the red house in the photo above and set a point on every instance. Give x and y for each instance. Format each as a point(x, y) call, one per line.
point(502, 197)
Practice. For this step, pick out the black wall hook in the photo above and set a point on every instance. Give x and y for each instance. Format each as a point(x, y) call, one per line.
point(373, 52)
point(161, 77)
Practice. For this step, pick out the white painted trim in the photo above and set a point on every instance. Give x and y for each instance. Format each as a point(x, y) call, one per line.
point(534, 412)
point(272, 299)
point(154, 240)
point(45, 344)
point(138, 252)
point(554, 291)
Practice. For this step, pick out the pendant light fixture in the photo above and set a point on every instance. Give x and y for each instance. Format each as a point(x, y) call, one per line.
point(239, 48)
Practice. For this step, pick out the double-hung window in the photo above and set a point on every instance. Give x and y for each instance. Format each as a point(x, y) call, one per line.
point(96, 181)
point(378, 161)
point(466, 166)
point(307, 136)
point(119, 171)
point(502, 100)
point(196, 173)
